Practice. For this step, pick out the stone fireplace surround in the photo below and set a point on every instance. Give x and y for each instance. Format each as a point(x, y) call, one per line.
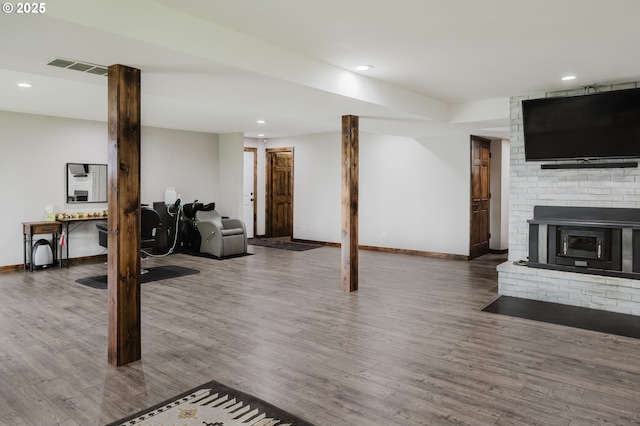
point(606, 293)
point(530, 186)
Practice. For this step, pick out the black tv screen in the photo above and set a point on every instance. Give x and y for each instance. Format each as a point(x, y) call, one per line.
point(592, 126)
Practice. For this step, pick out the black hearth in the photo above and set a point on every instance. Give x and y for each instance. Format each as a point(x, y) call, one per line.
point(594, 240)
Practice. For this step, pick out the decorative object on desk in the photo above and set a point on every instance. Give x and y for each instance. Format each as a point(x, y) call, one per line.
point(213, 404)
point(79, 215)
point(49, 215)
point(155, 274)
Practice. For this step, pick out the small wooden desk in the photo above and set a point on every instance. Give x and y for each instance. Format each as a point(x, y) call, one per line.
point(29, 229)
point(66, 223)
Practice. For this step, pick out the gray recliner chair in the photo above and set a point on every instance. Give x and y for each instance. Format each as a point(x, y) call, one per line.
point(221, 237)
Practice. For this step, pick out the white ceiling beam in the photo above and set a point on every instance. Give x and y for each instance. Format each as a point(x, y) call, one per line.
point(150, 22)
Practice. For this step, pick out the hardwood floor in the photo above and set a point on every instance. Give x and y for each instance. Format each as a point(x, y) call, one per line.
point(411, 347)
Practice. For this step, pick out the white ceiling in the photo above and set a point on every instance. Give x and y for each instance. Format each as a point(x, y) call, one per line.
point(440, 66)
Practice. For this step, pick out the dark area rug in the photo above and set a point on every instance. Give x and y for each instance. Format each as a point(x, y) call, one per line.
point(284, 245)
point(155, 274)
point(210, 256)
point(212, 404)
point(570, 316)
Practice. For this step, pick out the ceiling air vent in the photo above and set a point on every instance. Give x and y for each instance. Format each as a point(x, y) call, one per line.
point(81, 66)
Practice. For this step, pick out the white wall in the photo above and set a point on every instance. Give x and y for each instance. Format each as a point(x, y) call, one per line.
point(35, 150)
point(186, 161)
point(231, 166)
point(414, 194)
point(504, 191)
point(316, 185)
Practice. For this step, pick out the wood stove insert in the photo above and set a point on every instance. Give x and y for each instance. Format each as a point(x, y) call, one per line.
point(592, 240)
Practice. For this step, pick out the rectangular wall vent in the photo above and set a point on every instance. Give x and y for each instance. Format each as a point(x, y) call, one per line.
point(81, 66)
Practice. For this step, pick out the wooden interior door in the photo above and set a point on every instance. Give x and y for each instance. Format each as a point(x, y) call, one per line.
point(279, 214)
point(480, 196)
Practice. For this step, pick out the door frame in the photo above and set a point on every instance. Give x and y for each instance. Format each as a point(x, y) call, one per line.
point(268, 190)
point(471, 225)
point(255, 187)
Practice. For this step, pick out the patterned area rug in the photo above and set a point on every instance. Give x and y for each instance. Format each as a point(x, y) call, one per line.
point(284, 245)
point(213, 404)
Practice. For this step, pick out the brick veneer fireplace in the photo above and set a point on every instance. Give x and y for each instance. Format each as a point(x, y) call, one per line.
point(532, 186)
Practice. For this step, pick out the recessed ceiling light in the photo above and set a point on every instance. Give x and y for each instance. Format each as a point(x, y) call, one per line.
point(260, 135)
point(568, 77)
point(261, 121)
point(364, 67)
point(24, 85)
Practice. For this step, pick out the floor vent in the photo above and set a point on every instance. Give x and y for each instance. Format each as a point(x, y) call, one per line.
point(70, 64)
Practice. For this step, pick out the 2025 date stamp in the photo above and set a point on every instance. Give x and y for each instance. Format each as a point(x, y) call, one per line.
point(24, 8)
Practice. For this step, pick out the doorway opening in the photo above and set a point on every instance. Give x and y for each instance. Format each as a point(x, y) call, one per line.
point(249, 195)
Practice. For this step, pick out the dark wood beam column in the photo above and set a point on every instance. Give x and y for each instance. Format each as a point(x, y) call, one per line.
point(349, 246)
point(124, 339)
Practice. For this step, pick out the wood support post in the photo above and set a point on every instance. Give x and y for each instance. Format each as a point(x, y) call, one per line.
point(349, 246)
point(124, 339)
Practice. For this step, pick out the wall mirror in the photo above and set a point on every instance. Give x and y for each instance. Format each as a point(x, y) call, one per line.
point(86, 183)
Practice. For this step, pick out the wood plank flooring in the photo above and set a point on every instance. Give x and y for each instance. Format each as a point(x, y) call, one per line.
point(410, 347)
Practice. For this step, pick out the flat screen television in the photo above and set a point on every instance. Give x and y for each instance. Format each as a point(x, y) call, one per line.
point(591, 126)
